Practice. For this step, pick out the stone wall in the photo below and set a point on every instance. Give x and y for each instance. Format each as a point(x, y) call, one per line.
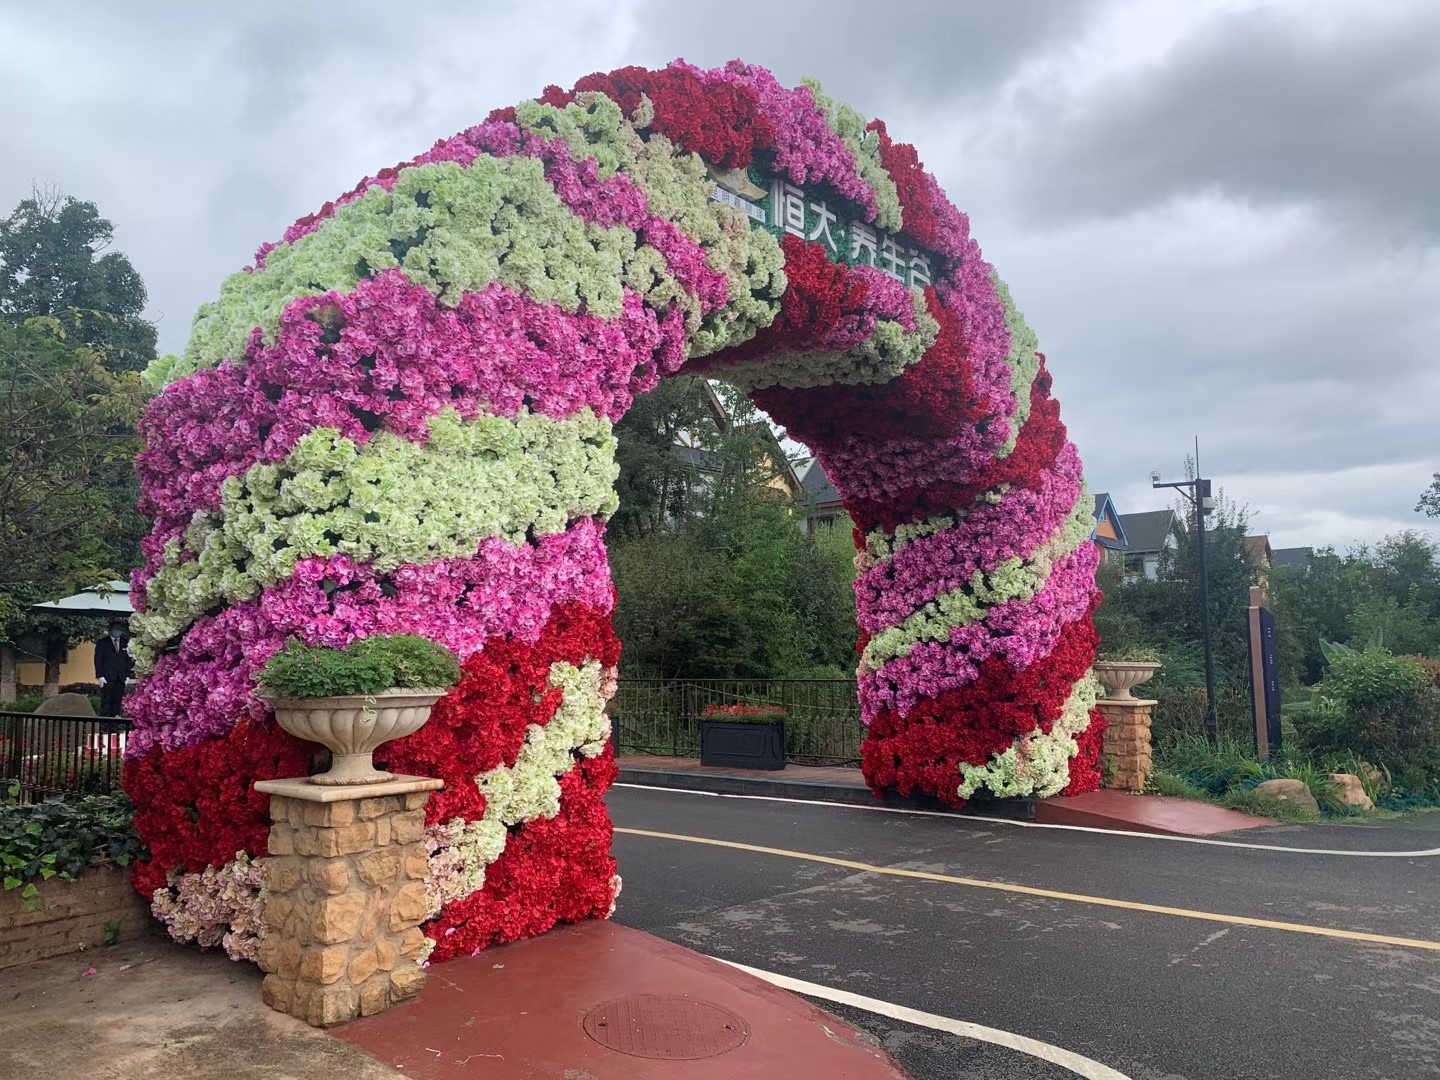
point(72, 915)
point(1127, 742)
point(346, 895)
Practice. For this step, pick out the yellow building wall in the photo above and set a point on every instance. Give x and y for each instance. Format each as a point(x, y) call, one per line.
point(78, 667)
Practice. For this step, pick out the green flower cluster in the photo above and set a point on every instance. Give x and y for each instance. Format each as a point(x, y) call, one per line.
point(1013, 579)
point(1024, 363)
point(452, 230)
point(865, 145)
point(887, 352)
point(388, 503)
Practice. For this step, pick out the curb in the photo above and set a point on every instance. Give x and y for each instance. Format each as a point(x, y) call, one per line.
point(812, 790)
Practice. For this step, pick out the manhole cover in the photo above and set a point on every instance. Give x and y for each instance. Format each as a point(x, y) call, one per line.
point(670, 1028)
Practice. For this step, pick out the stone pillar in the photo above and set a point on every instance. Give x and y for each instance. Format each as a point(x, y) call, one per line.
point(1127, 742)
point(345, 895)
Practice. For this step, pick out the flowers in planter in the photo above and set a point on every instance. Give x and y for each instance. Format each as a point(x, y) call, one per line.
point(398, 422)
point(743, 713)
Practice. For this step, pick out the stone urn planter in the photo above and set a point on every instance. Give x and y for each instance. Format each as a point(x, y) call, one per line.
point(353, 726)
point(1120, 676)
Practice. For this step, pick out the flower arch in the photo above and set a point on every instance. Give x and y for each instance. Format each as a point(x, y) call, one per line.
point(399, 420)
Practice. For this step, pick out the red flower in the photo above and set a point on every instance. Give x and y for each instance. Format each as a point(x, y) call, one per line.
point(921, 753)
point(196, 807)
point(551, 871)
point(722, 712)
point(503, 689)
point(929, 400)
point(1041, 439)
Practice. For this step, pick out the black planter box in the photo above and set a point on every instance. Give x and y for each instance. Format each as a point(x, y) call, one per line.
point(730, 745)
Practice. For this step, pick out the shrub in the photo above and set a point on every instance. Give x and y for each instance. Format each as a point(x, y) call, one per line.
point(370, 666)
point(60, 838)
point(1134, 654)
point(1359, 679)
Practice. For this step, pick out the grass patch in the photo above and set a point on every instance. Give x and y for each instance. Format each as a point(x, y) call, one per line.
point(1243, 799)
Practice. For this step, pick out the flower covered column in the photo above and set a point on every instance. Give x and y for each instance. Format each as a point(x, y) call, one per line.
point(399, 420)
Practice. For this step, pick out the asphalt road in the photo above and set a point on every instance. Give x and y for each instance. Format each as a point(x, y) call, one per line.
point(1183, 994)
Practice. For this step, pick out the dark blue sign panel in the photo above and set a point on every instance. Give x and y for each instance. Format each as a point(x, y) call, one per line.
point(1270, 677)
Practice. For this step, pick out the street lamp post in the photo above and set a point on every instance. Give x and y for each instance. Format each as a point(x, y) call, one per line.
point(1198, 492)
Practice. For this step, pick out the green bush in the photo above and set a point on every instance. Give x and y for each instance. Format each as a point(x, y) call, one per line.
point(1360, 679)
point(60, 838)
point(1132, 654)
point(370, 666)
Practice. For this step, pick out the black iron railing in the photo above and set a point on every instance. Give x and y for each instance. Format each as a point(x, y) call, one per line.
point(44, 756)
point(662, 716)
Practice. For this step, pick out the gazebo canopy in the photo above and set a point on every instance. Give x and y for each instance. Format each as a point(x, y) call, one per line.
point(110, 600)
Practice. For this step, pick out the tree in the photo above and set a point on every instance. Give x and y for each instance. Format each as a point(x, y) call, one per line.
point(1429, 503)
point(67, 442)
point(1231, 572)
point(655, 485)
point(53, 263)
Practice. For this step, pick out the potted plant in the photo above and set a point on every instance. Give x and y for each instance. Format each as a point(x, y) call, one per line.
point(353, 700)
point(743, 736)
point(1127, 668)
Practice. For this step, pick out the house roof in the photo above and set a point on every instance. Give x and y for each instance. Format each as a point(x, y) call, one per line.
point(1296, 556)
point(704, 460)
point(818, 488)
point(112, 598)
point(1147, 531)
point(1104, 510)
point(1259, 549)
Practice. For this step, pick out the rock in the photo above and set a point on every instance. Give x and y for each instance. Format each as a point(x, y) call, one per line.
point(1350, 790)
point(1291, 791)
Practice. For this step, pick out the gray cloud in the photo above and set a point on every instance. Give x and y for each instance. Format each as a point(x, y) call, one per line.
point(1263, 106)
point(916, 52)
point(1190, 268)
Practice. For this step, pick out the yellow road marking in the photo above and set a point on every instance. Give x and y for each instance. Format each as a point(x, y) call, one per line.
point(1048, 894)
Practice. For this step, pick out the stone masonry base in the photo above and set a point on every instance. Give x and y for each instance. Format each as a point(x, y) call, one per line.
point(1127, 742)
point(345, 888)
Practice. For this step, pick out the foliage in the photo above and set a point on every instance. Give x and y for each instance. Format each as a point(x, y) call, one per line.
point(656, 484)
point(745, 593)
point(60, 838)
point(1385, 594)
point(714, 572)
point(53, 263)
point(1161, 618)
point(369, 666)
point(1132, 654)
point(67, 437)
point(1429, 503)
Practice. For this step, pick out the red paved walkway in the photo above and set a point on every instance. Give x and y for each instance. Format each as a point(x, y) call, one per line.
point(1144, 813)
point(523, 1010)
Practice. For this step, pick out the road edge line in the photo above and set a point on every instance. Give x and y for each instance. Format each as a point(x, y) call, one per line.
point(1078, 1064)
point(1427, 853)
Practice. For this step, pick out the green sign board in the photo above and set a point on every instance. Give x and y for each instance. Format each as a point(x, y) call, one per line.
point(780, 207)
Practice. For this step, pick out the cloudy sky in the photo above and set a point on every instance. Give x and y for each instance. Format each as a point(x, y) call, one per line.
point(1222, 217)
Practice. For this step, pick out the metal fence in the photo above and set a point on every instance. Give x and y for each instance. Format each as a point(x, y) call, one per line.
point(42, 756)
point(662, 716)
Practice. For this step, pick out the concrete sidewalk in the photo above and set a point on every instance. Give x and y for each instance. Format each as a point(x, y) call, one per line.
point(598, 1001)
point(151, 1008)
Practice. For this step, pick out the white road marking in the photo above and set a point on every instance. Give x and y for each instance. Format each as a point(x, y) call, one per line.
point(1055, 1055)
point(1423, 854)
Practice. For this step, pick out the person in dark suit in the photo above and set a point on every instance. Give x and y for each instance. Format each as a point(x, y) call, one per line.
point(112, 667)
